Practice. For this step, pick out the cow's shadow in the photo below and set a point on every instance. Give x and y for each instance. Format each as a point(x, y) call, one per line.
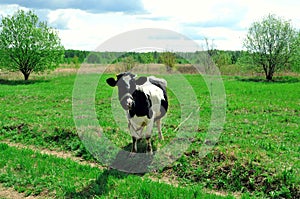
point(21, 82)
point(283, 79)
point(123, 166)
point(137, 163)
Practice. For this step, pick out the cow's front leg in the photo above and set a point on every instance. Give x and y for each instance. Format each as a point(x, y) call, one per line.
point(135, 135)
point(148, 136)
point(134, 145)
point(134, 139)
point(149, 146)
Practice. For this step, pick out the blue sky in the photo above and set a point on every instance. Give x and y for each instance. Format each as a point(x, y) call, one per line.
point(84, 24)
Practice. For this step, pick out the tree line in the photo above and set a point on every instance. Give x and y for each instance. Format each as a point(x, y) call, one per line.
point(30, 45)
point(220, 57)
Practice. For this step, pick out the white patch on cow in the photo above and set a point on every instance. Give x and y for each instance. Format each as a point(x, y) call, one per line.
point(136, 126)
point(129, 103)
point(163, 81)
point(126, 80)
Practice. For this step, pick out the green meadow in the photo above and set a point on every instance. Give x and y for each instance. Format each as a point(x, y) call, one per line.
point(256, 156)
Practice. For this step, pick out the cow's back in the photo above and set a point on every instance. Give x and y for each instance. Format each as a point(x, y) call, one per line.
point(156, 89)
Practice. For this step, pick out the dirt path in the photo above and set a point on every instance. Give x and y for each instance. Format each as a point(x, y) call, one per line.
point(59, 154)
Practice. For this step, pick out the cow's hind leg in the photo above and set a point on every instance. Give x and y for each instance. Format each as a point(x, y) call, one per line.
point(148, 136)
point(158, 122)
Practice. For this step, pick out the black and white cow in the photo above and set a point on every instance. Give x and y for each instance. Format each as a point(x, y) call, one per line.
point(145, 101)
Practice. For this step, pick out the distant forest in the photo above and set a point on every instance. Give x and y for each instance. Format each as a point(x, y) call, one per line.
point(239, 60)
point(77, 56)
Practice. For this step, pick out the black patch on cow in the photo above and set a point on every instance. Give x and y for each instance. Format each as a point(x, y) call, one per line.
point(142, 105)
point(163, 108)
point(141, 80)
point(111, 81)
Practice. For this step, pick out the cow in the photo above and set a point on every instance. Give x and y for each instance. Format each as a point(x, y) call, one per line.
point(145, 101)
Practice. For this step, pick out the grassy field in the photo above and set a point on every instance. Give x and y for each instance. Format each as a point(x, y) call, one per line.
point(257, 155)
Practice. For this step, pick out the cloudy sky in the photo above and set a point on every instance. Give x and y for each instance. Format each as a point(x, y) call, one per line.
point(85, 24)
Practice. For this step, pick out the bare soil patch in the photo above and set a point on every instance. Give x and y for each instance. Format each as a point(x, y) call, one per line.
point(10, 193)
point(59, 154)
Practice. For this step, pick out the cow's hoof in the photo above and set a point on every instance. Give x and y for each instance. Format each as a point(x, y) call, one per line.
point(149, 153)
point(132, 154)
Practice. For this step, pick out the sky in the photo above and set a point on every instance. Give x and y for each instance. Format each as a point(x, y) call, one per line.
point(86, 24)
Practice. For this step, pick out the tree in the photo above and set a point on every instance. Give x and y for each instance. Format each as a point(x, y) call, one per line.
point(222, 58)
point(271, 44)
point(168, 59)
point(295, 60)
point(28, 45)
point(128, 63)
point(93, 58)
point(210, 47)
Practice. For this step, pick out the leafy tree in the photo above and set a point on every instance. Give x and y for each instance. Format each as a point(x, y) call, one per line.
point(92, 58)
point(168, 59)
point(75, 61)
point(28, 45)
point(271, 42)
point(295, 60)
point(222, 58)
point(128, 63)
point(210, 47)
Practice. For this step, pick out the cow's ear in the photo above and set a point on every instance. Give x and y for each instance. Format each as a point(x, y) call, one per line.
point(141, 80)
point(111, 81)
point(132, 75)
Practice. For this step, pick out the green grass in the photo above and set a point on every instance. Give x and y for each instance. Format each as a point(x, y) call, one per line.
point(259, 148)
point(257, 153)
point(33, 173)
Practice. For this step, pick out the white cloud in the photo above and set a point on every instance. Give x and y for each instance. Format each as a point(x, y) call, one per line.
point(226, 22)
point(85, 30)
point(9, 9)
point(96, 6)
point(288, 9)
point(88, 30)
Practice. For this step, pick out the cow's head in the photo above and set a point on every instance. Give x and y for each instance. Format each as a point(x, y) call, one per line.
point(126, 83)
